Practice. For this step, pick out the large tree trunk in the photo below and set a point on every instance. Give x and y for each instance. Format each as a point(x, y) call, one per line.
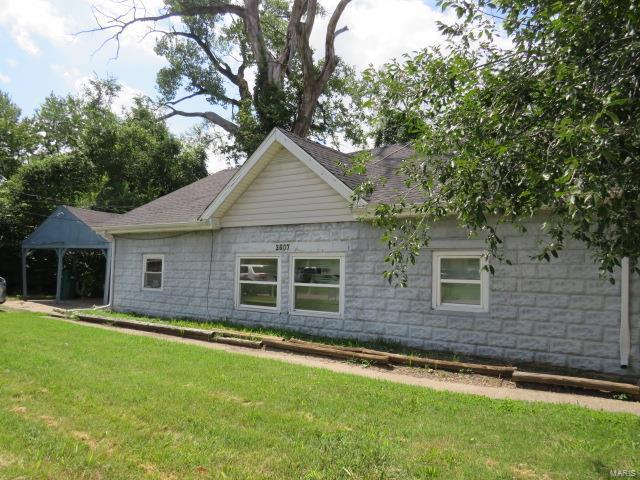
point(273, 67)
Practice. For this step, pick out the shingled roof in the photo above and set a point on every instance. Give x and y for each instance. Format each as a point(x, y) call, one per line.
point(383, 163)
point(188, 203)
point(181, 206)
point(93, 218)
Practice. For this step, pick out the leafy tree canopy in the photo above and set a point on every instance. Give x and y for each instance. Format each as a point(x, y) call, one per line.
point(81, 153)
point(15, 136)
point(253, 63)
point(543, 120)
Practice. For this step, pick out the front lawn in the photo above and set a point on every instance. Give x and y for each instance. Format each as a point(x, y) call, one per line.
point(83, 402)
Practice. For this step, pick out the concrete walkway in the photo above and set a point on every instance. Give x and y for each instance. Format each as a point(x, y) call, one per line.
point(50, 305)
point(594, 403)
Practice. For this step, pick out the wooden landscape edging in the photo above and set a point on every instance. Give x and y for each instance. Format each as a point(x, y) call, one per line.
point(326, 350)
point(256, 341)
point(411, 361)
point(564, 381)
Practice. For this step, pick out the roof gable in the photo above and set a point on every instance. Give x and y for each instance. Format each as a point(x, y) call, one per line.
point(65, 228)
point(286, 192)
point(251, 169)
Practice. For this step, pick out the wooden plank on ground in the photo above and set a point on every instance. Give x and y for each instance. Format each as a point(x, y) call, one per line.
point(325, 350)
point(408, 360)
point(564, 381)
point(238, 342)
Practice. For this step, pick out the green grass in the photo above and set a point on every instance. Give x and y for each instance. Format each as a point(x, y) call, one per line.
point(82, 402)
point(279, 332)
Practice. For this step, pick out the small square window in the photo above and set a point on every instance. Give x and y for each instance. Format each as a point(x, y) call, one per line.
point(152, 272)
point(460, 281)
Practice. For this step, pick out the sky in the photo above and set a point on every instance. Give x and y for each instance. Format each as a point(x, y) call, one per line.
point(41, 51)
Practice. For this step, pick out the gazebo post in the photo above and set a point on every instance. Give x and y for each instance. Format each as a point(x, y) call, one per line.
point(60, 252)
point(107, 276)
point(25, 253)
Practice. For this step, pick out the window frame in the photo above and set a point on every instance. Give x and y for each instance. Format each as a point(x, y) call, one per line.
point(237, 282)
point(153, 256)
point(292, 284)
point(436, 290)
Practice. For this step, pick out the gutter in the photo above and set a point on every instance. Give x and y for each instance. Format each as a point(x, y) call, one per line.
point(161, 227)
point(625, 337)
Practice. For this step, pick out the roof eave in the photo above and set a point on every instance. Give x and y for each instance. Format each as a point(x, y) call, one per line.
point(161, 227)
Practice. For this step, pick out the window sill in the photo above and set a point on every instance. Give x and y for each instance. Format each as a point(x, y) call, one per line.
point(250, 308)
point(460, 308)
point(314, 313)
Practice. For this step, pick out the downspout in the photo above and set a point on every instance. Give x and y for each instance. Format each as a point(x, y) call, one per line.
point(625, 337)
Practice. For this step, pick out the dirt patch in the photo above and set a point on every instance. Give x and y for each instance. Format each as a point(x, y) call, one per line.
point(453, 377)
point(7, 459)
point(85, 438)
point(50, 421)
point(19, 409)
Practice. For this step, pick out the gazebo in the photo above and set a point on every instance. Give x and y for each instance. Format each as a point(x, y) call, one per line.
point(65, 229)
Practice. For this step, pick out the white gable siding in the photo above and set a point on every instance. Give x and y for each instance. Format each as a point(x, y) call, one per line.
point(287, 192)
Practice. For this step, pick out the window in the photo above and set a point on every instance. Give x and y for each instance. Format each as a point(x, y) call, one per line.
point(152, 272)
point(317, 285)
point(459, 281)
point(257, 282)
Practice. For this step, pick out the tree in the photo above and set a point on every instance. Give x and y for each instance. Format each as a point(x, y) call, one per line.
point(85, 155)
point(548, 123)
point(217, 48)
point(15, 136)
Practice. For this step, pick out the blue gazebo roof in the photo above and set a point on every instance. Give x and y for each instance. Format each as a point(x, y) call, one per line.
point(71, 227)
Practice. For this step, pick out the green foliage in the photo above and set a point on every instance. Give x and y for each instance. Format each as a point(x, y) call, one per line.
point(547, 124)
point(15, 136)
point(76, 151)
point(210, 57)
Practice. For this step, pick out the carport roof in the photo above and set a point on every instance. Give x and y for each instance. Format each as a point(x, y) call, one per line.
point(71, 227)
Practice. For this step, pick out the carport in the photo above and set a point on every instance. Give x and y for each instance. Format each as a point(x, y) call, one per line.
point(65, 229)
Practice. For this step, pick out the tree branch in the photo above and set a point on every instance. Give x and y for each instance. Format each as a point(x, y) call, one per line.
point(119, 23)
point(211, 116)
point(220, 65)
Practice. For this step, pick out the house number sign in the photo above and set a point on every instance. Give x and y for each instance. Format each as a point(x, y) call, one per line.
point(282, 247)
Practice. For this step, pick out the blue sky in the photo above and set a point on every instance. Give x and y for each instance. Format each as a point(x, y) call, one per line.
point(39, 52)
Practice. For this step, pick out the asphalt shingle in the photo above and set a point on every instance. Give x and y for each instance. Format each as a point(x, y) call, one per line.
point(188, 203)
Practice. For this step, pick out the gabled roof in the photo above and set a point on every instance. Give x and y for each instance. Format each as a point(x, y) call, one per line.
point(93, 218)
point(279, 138)
point(181, 206)
point(71, 227)
point(383, 162)
point(190, 205)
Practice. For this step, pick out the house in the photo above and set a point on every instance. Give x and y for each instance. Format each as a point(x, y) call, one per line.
point(277, 242)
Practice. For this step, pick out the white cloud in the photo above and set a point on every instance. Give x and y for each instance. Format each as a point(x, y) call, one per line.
point(11, 62)
point(25, 20)
point(71, 75)
point(380, 30)
point(4, 78)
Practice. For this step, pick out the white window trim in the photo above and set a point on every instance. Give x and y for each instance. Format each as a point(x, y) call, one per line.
point(278, 284)
point(152, 256)
point(483, 282)
point(292, 284)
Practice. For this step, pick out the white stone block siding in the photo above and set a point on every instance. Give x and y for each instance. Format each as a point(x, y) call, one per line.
point(559, 313)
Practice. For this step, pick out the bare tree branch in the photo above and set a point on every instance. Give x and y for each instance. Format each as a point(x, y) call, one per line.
point(211, 116)
point(120, 23)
